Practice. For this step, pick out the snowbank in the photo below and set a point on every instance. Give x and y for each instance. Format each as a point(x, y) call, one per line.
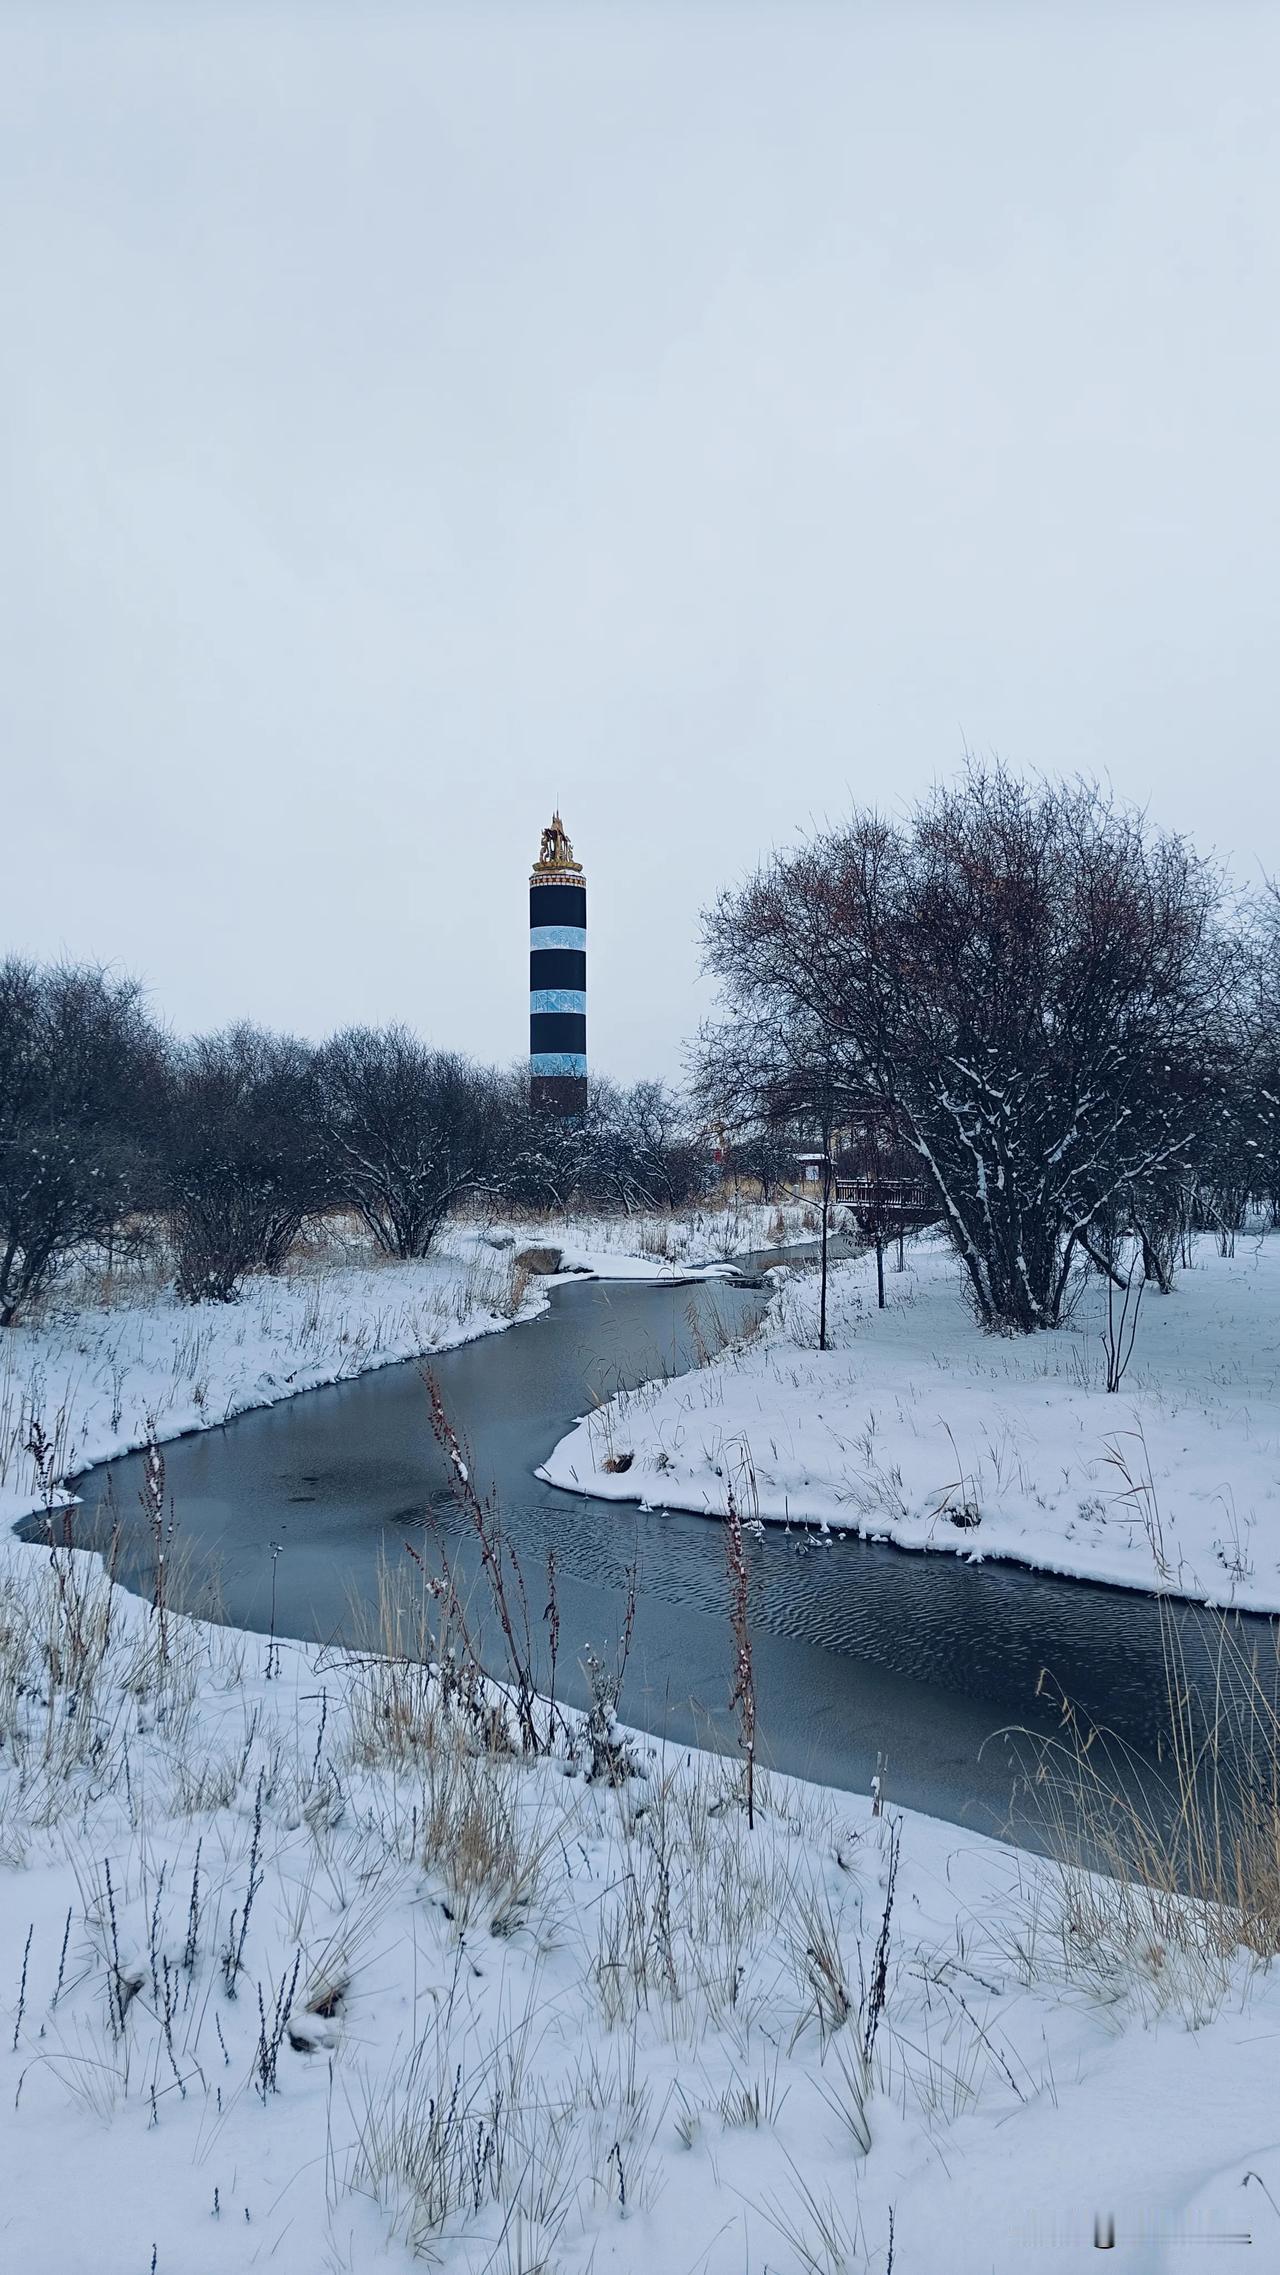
point(918, 1429)
point(297, 1973)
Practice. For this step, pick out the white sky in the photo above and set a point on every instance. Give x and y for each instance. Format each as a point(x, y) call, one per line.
point(702, 416)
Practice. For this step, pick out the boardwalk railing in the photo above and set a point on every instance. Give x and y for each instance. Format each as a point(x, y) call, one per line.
point(890, 1197)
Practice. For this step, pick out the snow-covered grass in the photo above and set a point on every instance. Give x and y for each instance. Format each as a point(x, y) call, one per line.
point(919, 1429)
point(652, 1244)
point(112, 1357)
point(97, 1377)
point(304, 1964)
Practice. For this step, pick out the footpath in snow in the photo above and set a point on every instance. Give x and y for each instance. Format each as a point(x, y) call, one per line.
point(919, 1429)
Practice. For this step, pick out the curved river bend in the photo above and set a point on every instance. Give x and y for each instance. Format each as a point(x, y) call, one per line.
point(863, 1652)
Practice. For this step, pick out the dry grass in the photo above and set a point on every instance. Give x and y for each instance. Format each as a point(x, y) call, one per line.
point(113, 1359)
point(1168, 1871)
point(722, 1981)
point(238, 1907)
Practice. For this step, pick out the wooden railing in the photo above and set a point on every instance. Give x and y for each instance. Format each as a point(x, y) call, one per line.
point(887, 1196)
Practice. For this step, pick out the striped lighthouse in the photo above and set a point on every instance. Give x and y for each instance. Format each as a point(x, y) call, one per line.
point(557, 977)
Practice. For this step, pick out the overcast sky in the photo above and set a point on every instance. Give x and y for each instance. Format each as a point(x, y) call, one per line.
point(702, 417)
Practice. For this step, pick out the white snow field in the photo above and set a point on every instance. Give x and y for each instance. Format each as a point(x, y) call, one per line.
point(305, 1965)
point(919, 1429)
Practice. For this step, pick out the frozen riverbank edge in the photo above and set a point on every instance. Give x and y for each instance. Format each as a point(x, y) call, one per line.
point(919, 1430)
point(96, 1380)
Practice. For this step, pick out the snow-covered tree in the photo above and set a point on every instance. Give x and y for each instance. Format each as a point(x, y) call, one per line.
point(1038, 987)
point(79, 1062)
point(240, 1157)
point(409, 1131)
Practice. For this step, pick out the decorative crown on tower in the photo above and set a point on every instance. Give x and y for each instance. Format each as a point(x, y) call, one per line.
point(557, 852)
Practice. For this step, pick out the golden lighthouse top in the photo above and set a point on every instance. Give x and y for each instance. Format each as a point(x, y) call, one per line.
point(556, 858)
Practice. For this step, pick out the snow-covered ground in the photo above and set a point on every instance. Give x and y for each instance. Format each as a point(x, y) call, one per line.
point(303, 1966)
point(297, 1971)
point(648, 1246)
point(919, 1429)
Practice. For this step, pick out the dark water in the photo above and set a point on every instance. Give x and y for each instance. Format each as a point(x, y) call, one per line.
point(863, 1652)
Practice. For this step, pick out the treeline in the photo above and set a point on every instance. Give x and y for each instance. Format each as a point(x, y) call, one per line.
point(229, 1143)
point(1061, 1017)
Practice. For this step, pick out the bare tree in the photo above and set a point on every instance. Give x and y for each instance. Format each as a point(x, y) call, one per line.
point(409, 1131)
point(643, 1149)
point(1036, 985)
point(79, 1063)
point(881, 1184)
point(636, 1148)
point(241, 1161)
point(1263, 1049)
point(538, 1157)
point(1239, 1159)
point(733, 1093)
point(768, 1073)
point(743, 1691)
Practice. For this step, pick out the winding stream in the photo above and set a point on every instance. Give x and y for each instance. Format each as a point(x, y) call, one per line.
point(862, 1651)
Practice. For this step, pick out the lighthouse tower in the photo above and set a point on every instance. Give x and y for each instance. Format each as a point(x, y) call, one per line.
point(557, 977)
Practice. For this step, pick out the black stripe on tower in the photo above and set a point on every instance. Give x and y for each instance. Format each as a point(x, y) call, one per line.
point(557, 967)
point(558, 904)
point(557, 1031)
point(562, 1094)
